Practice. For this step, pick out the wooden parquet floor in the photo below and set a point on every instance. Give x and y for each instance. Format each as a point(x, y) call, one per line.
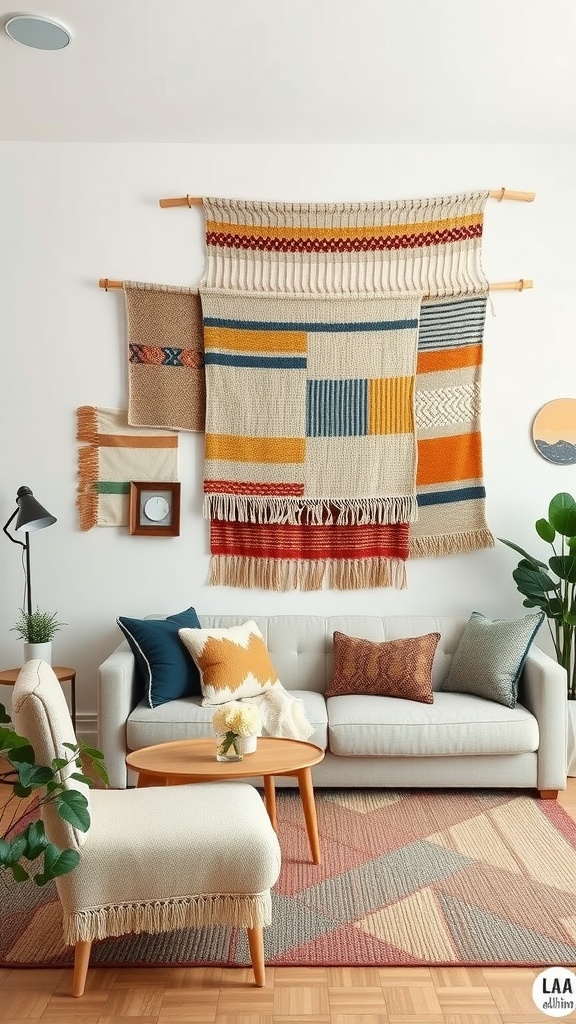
point(334, 995)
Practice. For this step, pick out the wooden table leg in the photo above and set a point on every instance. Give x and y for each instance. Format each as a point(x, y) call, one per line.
point(270, 800)
point(151, 780)
point(307, 796)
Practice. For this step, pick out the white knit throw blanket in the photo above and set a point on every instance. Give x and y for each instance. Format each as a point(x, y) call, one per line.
point(282, 714)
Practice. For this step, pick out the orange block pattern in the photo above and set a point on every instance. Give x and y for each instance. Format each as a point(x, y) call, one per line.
point(444, 459)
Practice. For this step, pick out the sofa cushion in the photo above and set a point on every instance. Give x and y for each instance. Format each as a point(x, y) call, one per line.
point(189, 719)
point(490, 656)
point(165, 672)
point(456, 723)
point(233, 663)
point(394, 668)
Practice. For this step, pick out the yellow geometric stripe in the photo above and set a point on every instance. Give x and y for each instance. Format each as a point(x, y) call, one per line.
point(272, 231)
point(390, 405)
point(255, 449)
point(233, 340)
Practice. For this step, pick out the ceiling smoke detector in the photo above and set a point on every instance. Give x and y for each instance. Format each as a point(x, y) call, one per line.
point(37, 31)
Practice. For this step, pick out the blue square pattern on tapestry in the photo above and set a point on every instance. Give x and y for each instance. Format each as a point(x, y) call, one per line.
point(490, 656)
point(164, 667)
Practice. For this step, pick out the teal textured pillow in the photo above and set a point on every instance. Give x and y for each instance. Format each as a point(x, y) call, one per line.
point(489, 658)
point(164, 668)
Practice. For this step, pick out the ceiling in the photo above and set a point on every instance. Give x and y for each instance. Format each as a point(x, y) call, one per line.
point(295, 71)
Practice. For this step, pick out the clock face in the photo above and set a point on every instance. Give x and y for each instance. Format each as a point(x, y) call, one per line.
point(156, 508)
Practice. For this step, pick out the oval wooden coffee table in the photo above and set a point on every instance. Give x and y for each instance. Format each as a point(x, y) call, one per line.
point(184, 761)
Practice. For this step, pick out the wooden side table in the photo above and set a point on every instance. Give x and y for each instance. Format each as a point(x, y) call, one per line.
point(8, 677)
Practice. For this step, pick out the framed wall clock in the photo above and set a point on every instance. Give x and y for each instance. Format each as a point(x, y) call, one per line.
point(154, 509)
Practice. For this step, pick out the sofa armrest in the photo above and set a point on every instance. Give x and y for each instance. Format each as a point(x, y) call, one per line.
point(117, 696)
point(543, 691)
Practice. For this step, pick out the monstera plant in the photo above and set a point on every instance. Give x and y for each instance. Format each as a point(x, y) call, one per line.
point(551, 585)
point(22, 837)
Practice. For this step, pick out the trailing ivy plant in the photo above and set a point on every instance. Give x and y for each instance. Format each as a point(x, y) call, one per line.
point(551, 585)
point(22, 843)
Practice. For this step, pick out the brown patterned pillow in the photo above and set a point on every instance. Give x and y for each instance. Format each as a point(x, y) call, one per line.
point(393, 668)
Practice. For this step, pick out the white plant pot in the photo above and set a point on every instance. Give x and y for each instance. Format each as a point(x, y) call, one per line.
point(43, 651)
point(247, 744)
point(571, 739)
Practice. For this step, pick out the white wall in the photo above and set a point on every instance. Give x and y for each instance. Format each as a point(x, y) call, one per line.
point(72, 213)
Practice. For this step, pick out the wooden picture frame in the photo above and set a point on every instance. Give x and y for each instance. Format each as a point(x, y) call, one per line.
point(154, 508)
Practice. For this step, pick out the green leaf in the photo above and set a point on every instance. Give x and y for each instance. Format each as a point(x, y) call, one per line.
point(525, 554)
point(24, 753)
point(56, 862)
point(81, 778)
point(35, 775)
point(19, 790)
point(92, 752)
point(562, 514)
point(5, 852)
point(19, 873)
point(36, 840)
point(4, 716)
point(100, 770)
point(570, 618)
point(58, 763)
point(72, 806)
point(564, 566)
point(545, 530)
point(532, 582)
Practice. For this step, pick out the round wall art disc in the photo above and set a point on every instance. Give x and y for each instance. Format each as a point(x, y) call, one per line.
point(554, 431)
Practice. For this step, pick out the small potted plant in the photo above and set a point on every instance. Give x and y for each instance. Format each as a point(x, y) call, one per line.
point(37, 629)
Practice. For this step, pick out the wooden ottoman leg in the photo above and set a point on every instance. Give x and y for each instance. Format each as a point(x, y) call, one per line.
point(81, 960)
point(548, 794)
point(256, 944)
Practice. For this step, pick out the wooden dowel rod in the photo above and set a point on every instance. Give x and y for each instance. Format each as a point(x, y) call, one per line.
point(497, 193)
point(499, 286)
point(106, 283)
point(509, 193)
point(181, 201)
point(516, 286)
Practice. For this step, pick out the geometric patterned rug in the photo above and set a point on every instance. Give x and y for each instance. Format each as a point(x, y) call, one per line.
point(409, 878)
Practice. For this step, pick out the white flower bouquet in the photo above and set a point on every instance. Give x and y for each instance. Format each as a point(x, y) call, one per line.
point(235, 719)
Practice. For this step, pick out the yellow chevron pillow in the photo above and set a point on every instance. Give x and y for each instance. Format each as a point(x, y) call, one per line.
point(233, 663)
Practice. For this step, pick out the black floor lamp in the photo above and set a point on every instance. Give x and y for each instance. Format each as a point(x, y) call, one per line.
point(31, 516)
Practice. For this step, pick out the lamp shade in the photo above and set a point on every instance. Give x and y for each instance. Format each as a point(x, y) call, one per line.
point(31, 514)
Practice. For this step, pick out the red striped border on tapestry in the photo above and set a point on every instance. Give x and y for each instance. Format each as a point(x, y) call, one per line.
point(284, 541)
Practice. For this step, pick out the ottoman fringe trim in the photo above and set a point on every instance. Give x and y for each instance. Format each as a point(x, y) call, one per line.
point(289, 574)
point(236, 911)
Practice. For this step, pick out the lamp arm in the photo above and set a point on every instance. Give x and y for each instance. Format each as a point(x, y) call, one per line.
point(9, 535)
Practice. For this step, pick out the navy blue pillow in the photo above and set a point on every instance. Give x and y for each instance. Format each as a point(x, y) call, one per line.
point(164, 666)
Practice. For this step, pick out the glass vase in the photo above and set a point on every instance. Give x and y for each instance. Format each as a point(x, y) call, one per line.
point(228, 747)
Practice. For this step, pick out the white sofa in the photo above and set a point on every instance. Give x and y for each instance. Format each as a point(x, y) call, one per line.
point(458, 741)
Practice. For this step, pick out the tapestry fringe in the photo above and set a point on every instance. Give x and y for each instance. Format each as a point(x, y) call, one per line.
point(451, 543)
point(236, 911)
point(289, 574)
point(87, 424)
point(88, 462)
point(311, 511)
